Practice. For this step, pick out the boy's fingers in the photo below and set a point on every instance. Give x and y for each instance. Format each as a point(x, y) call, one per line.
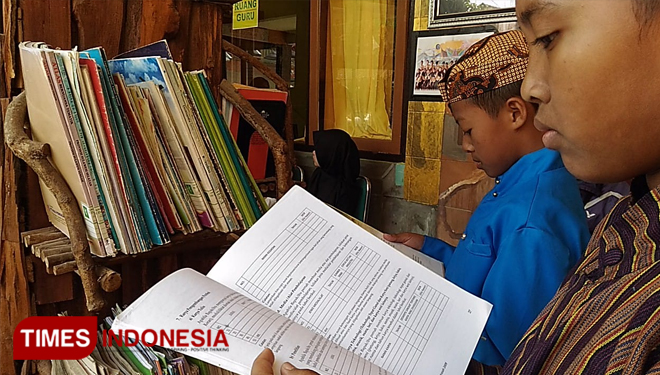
point(395, 237)
point(389, 237)
point(289, 369)
point(416, 241)
point(263, 364)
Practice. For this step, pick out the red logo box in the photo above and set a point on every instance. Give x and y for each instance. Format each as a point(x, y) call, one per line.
point(55, 337)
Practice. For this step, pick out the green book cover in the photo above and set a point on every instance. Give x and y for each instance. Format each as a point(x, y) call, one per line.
point(203, 366)
point(216, 152)
point(233, 174)
point(246, 177)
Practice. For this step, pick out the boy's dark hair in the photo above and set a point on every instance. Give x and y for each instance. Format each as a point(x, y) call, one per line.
point(492, 101)
point(646, 11)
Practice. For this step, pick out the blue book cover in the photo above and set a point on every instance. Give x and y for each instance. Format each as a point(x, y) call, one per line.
point(155, 49)
point(145, 223)
point(145, 69)
point(247, 182)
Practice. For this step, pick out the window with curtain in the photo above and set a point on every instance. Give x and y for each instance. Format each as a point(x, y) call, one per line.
point(360, 67)
point(358, 55)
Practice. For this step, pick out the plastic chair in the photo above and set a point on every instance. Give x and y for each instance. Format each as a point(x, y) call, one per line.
point(298, 174)
point(363, 202)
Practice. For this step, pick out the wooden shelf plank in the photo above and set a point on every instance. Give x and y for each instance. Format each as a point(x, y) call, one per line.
point(180, 243)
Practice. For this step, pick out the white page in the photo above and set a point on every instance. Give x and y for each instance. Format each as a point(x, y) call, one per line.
point(311, 264)
point(433, 264)
point(189, 300)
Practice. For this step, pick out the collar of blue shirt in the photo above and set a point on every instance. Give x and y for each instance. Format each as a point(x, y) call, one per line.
point(529, 166)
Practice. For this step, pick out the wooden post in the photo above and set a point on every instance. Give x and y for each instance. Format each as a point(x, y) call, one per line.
point(14, 292)
point(99, 23)
point(36, 154)
point(266, 131)
point(280, 83)
point(205, 42)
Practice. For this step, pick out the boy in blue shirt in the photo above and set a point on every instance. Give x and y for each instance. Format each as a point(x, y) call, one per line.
point(530, 230)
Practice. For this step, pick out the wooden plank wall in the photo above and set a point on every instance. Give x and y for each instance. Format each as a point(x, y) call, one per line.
point(194, 31)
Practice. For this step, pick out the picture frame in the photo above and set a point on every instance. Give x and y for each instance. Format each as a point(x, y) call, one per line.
point(433, 54)
point(455, 13)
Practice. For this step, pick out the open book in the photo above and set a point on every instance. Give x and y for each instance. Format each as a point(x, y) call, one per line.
point(323, 294)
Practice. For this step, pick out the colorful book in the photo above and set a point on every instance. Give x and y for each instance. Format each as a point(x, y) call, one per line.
point(136, 225)
point(138, 161)
point(49, 125)
point(148, 68)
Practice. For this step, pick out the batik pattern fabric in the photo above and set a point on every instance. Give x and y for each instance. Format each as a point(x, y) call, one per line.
point(605, 318)
point(493, 62)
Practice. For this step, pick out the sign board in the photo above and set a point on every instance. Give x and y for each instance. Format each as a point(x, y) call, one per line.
point(246, 14)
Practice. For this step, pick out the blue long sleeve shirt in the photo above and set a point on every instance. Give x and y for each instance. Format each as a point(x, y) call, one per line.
point(520, 243)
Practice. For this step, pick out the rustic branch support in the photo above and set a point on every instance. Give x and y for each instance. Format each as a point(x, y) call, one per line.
point(54, 249)
point(35, 154)
point(280, 83)
point(275, 142)
point(32, 237)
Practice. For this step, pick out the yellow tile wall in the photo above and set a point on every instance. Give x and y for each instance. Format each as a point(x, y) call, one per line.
point(423, 152)
point(421, 22)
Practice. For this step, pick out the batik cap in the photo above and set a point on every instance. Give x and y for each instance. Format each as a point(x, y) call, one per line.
point(493, 62)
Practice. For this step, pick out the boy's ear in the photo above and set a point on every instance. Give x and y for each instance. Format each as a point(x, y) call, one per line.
point(517, 112)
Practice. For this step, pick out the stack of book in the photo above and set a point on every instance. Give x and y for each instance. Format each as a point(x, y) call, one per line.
point(133, 358)
point(142, 144)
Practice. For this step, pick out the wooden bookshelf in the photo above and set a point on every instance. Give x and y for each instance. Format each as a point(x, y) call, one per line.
point(204, 241)
point(194, 32)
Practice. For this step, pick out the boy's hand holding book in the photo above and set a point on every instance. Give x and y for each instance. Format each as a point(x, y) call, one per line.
point(263, 365)
point(413, 240)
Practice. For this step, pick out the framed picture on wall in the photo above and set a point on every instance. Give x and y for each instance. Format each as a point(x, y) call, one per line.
point(453, 13)
point(434, 55)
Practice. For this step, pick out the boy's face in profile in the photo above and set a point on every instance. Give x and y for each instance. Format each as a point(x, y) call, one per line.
point(593, 70)
point(485, 138)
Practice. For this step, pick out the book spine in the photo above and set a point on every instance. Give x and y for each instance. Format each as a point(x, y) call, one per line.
point(91, 211)
point(201, 202)
point(202, 121)
point(180, 160)
point(238, 198)
point(179, 171)
point(232, 170)
point(132, 242)
point(227, 110)
point(257, 202)
point(98, 170)
point(172, 183)
point(133, 215)
point(151, 173)
point(55, 214)
point(155, 220)
point(108, 145)
point(139, 228)
point(147, 217)
point(98, 204)
point(167, 194)
point(208, 176)
point(98, 153)
point(210, 142)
